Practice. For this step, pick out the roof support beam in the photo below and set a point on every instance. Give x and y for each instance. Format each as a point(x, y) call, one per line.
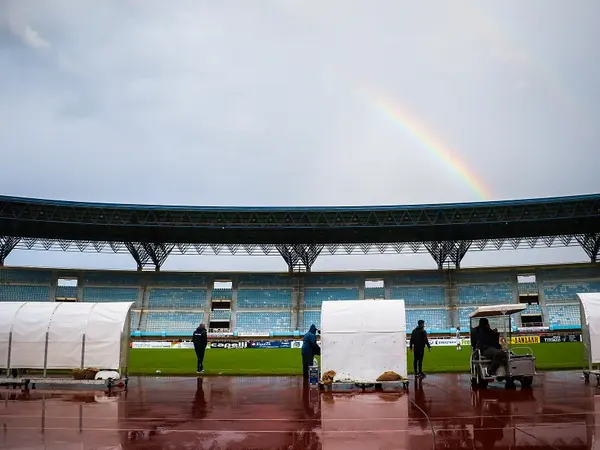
point(299, 257)
point(149, 253)
point(451, 252)
point(7, 245)
point(590, 243)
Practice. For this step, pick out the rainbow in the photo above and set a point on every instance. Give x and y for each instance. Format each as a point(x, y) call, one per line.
point(425, 138)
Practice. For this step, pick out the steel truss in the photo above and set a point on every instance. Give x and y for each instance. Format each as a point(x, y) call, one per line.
point(300, 257)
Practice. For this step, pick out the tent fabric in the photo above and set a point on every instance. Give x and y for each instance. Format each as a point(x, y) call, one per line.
point(78, 334)
point(362, 339)
point(498, 310)
point(590, 323)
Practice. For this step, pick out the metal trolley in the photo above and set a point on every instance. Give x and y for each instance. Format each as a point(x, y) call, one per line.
point(520, 365)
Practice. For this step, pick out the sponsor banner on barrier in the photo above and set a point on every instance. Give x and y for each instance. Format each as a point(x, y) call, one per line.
point(250, 335)
point(525, 340)
point(270, 344)
point(297, 344)
point(561, 338)
point(151, 344)
point(532, 329)
point(443, 342)
point(186, 344)
point(228, 344)
point(219, 335)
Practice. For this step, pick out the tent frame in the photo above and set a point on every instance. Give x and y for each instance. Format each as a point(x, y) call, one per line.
point(590, 367)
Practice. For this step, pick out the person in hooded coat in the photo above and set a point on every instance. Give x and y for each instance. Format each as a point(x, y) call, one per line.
point(310, 348)
point(200, 340)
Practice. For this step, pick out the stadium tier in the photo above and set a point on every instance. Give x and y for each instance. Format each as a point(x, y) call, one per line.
point(173, 303)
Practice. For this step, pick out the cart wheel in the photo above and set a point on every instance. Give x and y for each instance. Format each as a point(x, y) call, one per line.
point(473, 381)
point(510, 384)
point(586, 377)
point(526, 382)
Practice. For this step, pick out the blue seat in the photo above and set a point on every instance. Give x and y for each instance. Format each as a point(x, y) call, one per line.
point(24, 293)
point(173, 322)
point(485, 294)
point(264, 298)
point(436, 319)
point(418, 295)
point(263, 322)
point(177, 298)
point(314, 297)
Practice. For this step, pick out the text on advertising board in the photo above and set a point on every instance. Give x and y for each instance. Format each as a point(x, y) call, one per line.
point(525, 340)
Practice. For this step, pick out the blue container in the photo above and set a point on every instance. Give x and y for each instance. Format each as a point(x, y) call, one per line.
point(313, 375)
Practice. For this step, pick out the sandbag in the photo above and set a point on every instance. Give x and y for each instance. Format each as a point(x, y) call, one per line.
point(85, 374)
point(328, 377)
point(389, 376)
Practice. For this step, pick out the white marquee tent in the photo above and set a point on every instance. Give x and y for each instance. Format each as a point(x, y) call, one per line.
point(361, 339)
point(590, 326)
point(64, 335)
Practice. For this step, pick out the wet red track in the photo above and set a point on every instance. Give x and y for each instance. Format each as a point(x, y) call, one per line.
point(279, 413)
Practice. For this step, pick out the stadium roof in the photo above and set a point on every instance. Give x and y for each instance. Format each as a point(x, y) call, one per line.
point(299, 234)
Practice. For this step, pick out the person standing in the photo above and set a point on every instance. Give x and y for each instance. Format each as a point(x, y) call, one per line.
point(200, 340)
point(418, 342)
point(458, 347)
point(310, 348)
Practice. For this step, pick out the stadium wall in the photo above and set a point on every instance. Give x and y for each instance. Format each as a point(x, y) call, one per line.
point(271, 305)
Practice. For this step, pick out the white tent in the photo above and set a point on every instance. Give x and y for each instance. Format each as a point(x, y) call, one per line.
point(64, 335)
point(590, 325)
point(362, 339)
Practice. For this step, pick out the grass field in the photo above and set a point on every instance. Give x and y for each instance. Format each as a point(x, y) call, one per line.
point(550, 356)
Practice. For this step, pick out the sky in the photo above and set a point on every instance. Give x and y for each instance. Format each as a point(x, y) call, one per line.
point(298, 102)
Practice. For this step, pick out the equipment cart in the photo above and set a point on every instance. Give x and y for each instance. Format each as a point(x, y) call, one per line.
point(520, 364)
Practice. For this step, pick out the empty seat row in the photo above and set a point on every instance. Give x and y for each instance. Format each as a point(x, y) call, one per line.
point(314, 297)
point(177, 298)
point(24, 293)
point(313, 280)
point(264, 298)
point(173, 322)
point(567, 292)
point(485, 294)
point(419, 295)
point(66, 291)
point(263, 322)
point(436, 319)
point(25, 276)
point(264, 280)
point(564, 315)
point(374, 292)
point(108, 294)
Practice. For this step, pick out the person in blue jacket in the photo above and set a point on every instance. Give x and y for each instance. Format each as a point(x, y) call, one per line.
point(310, 348)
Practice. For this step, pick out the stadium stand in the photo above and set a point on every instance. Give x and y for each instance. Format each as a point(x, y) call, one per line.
point(220, 315)
point(109, 294)
point(375, 292)
point(485, 294)
point(261, 322)
point(263, 280)
point(435, 319)
point(176, 298)
point(331, 280)
point(566, 292)
point(173, 322)
point(419, 295)
point(564, 316)
point(222, 294)
point(24, 293)
point(174, 303)
point(311, 317)
point(265, 298)
point(313, 297)
point(66, 291)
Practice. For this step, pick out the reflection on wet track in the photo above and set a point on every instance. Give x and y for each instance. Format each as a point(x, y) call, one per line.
point(442, 412)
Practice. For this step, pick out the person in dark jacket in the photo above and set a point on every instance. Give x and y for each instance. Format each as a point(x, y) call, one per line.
point(418, 342)
point(487, 341)
point(310, 348)
point(200, 340)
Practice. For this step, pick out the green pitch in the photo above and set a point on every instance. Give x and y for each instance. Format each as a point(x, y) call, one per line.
point(551, 356)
